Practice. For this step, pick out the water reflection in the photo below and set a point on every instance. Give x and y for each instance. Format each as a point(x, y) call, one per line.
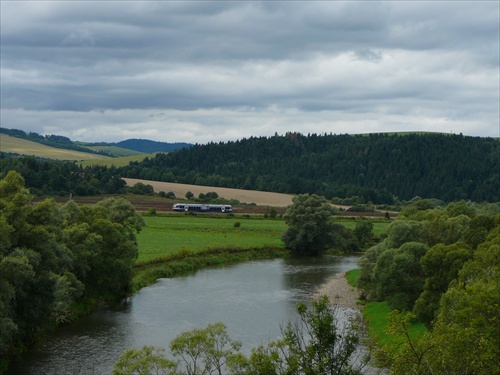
point(252, 299)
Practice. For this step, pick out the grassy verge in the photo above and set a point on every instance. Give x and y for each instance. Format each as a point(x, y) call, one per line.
point(375, 314)
point(352, 276)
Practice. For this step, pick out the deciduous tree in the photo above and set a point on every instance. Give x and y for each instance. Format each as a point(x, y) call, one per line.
point(310, 228)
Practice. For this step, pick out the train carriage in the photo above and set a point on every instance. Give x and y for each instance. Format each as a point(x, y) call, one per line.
point(197, 207)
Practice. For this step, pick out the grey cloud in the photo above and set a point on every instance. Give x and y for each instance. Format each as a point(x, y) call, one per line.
point(372, 58)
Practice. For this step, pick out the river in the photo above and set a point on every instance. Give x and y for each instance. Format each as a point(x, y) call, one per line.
point(252, 299)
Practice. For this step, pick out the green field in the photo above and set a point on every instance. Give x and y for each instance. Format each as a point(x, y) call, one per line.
point(165, 235)
point(24, 147)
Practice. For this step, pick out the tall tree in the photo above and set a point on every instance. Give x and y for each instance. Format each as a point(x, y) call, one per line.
point(310, 228)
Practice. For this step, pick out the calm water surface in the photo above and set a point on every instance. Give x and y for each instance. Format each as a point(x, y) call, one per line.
point(252, 299)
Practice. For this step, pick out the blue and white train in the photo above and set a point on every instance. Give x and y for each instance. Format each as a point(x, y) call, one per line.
point(194, 207)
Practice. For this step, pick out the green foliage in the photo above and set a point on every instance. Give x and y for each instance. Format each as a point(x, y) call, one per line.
point(271, 211)
point(363, 232)
point(367, 264)
point(170, 195)
point(208, 197)
point(310, 228)
point(48, 177)
point(398, 275)
point(441, 265)
point(405, 352)
point(141, 189)
point(53, 256)
point(314, 345)
point(459, 300)
point(205, 351)
point(147, 360)
point(375, 168)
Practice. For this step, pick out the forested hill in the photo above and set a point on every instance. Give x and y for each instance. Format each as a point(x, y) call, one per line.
point(150, 147)
point(375, 167)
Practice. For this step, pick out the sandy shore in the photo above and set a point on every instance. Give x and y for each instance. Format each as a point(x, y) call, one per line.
point(338, 290)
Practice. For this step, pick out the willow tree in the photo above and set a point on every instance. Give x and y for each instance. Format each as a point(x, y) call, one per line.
point(310, 230)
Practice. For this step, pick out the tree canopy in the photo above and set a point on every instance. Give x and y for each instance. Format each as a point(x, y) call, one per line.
point(375, 168)
point(53, 256)
point(444, 264)
point(316, 344)
point(310, 228)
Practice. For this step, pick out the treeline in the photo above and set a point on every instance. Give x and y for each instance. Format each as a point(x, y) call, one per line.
point(443, 264)
point(49, 177)
point(57, 141)
point(150, 147)
point(57, 259)
point(376, 167)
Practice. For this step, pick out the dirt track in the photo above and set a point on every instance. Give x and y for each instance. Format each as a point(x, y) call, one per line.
point(260, 198)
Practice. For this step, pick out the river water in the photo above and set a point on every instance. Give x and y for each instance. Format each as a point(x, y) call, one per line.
point(252, 299)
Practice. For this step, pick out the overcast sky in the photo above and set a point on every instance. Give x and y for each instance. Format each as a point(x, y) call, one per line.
point(202, 71)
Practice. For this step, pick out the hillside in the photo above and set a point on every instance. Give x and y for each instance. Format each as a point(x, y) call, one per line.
point(260, 198)
point(150, 147)
point(21, 146)
point(375, 167)
point(130, 147)
point(111, 150)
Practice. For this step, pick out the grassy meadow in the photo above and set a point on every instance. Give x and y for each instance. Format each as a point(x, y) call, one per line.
point(166, 235)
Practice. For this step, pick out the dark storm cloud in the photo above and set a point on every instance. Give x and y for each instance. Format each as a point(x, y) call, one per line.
point(276, 63)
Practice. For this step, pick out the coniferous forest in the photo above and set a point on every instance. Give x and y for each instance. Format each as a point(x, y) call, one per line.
point(375, 167)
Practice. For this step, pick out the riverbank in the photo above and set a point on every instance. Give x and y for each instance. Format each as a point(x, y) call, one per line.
point(148, 272)
point(338, 290)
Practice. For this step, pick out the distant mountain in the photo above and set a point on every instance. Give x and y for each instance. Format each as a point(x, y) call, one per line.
point(150, 147)
point(103, 148)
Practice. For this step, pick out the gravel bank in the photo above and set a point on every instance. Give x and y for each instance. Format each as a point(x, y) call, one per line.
point(338, 290)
